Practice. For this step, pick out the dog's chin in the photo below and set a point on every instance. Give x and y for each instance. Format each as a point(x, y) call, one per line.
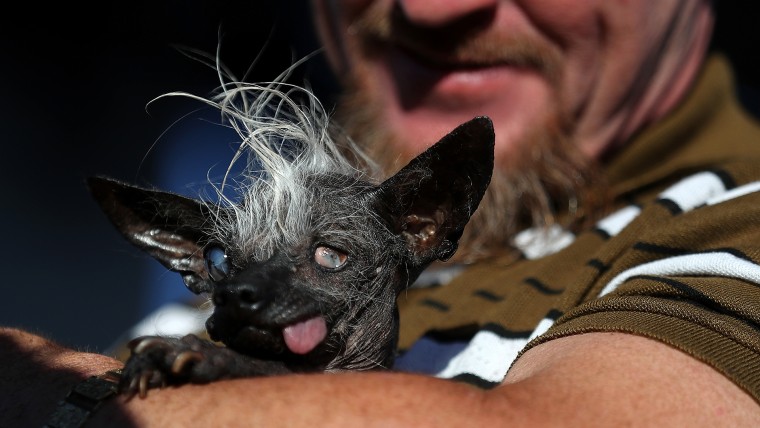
point(303, 341)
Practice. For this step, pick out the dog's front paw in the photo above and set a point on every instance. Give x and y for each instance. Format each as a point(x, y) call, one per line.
point(159, 361)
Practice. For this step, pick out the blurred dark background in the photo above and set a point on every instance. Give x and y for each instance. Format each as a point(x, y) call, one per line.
point(75, 82)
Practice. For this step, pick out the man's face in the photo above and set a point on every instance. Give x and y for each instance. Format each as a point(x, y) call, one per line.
point(565, 82)
point(594, 70)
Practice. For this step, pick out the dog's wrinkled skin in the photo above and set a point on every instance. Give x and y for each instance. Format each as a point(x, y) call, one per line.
point(323, 303)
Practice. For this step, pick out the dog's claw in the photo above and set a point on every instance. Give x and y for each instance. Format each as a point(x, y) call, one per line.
point(131, 389)
point(144, 383)
point(127, 392)
point(185, 358)
point(139, 345)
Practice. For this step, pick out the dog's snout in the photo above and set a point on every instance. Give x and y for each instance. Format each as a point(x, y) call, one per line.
point(252, 296)
point(245, 296)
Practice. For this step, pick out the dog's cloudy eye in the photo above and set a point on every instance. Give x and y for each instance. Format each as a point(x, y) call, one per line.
point(217, 263)
point(329, 258)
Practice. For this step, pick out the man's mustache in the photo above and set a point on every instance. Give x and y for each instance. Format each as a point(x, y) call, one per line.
point(462, 44)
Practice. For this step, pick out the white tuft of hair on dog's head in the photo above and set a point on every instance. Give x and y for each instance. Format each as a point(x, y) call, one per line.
point(286, 141)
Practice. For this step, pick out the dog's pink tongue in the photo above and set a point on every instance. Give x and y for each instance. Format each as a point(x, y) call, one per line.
point(304, 336)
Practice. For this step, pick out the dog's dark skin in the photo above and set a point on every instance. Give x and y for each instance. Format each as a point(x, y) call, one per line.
point(287, 314)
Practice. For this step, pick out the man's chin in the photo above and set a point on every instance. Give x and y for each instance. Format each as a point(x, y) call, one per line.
point(415, 131)
point(407, 134)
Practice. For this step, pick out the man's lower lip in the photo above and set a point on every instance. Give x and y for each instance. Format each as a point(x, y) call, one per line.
point(473, 78)
point(417, 80)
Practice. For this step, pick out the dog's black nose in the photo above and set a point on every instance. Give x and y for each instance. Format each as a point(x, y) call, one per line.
point(245, 297)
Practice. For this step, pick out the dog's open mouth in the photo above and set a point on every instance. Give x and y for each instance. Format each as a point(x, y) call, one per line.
point(300, 336)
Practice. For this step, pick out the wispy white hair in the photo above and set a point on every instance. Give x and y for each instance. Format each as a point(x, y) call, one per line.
point(285, 138)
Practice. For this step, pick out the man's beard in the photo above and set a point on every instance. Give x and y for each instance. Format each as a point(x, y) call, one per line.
point(544, 181)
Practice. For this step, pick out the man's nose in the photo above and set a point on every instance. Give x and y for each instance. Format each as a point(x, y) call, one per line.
point(431, 13)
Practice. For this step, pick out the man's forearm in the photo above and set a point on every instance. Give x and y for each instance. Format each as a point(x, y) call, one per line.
point(590, 379)
point(605, 379)
point(319, 400)
point(38, 373)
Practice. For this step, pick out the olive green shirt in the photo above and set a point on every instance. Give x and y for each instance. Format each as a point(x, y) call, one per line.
point(678, 261)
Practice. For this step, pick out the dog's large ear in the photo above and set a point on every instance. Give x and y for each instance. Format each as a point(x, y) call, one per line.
point(431, 199)
point(169, 227)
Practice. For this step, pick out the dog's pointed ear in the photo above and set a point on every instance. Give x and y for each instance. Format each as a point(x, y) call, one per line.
point(431, 199)
point(167, 226)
